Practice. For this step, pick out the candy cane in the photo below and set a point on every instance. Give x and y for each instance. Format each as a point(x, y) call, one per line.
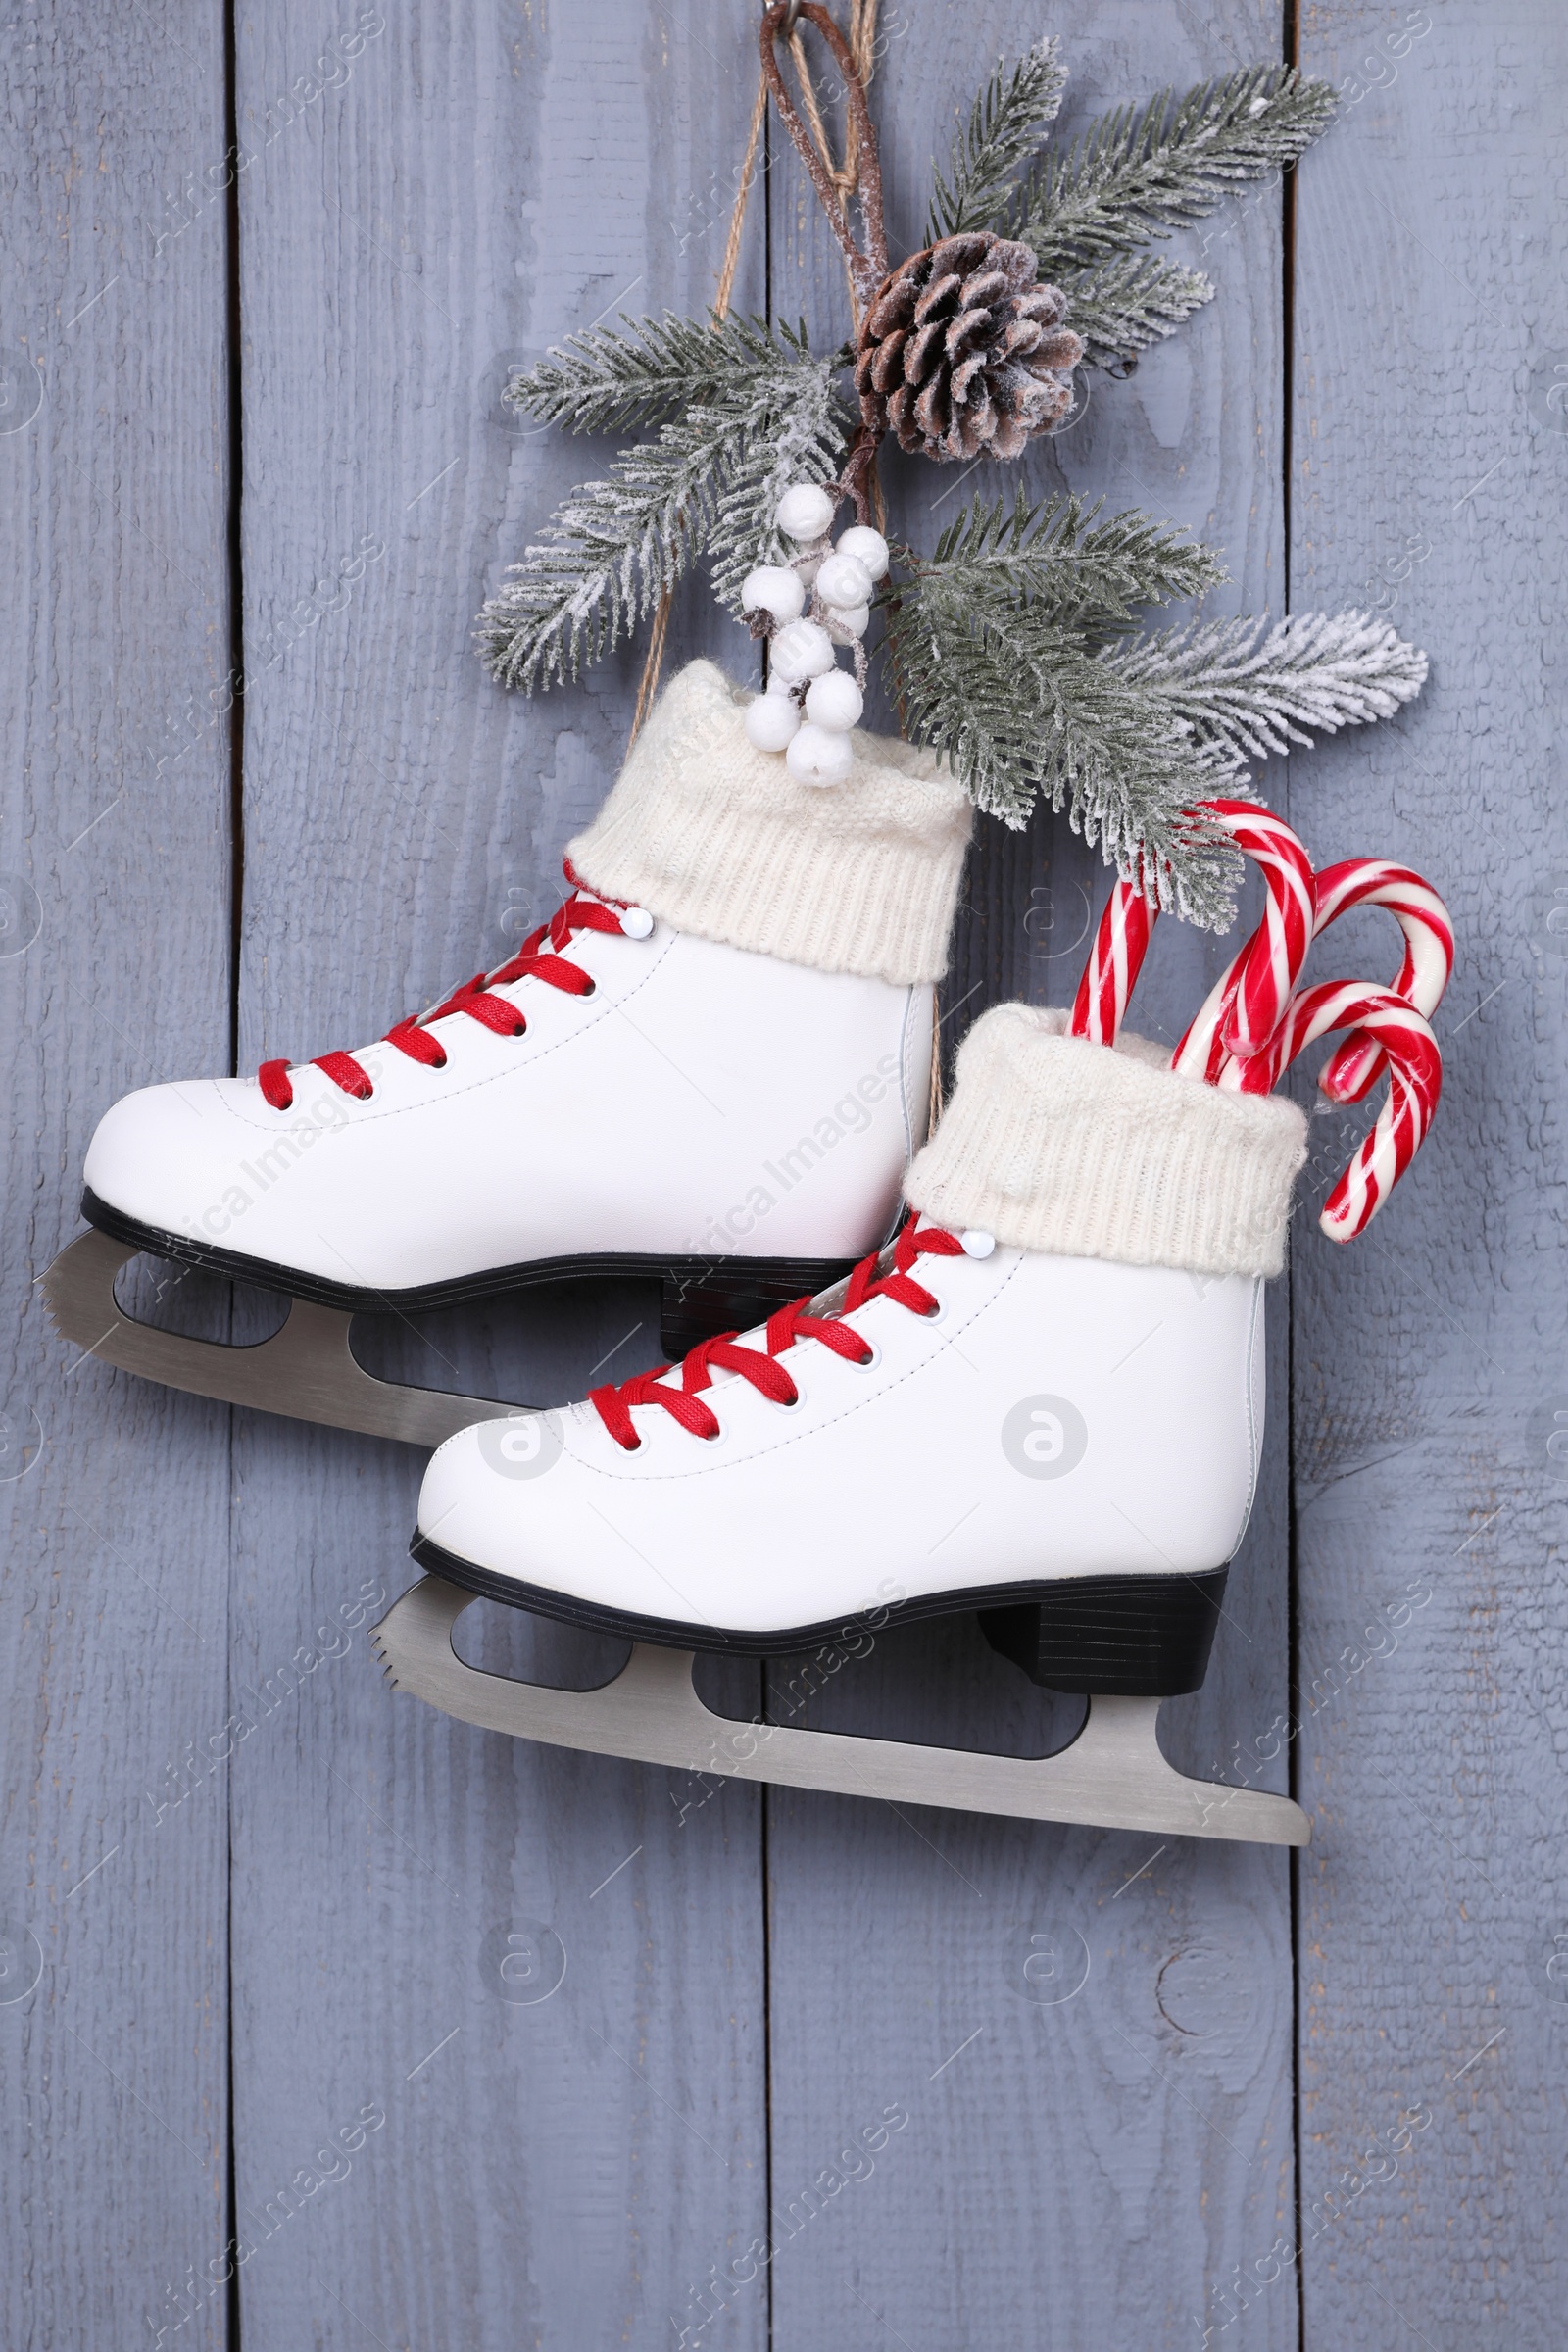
point(1415, 1084)
point(1355, 1066)
point(1201, 1052)
point(1114, 961)
point(1246, 1006)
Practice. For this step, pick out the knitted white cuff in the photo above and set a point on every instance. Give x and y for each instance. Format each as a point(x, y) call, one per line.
point(1051, 1142)
point(719, 840)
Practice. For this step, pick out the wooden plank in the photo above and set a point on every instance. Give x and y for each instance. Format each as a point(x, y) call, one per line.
point(113, 953)
point(479, 183)
point(1088, 2036)
point(1428, 1357)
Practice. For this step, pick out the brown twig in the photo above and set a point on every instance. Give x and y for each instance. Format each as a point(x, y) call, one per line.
point(853, 482)
point(867, 267)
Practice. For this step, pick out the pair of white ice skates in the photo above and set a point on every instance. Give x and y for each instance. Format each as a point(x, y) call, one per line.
point(1039, 1397)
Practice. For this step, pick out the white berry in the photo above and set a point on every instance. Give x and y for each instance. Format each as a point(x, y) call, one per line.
point(835, 702)
point(846, 628)
point(771, 720)
point(773, 588)
point(801, 651)
point(817, 756)
point(868, 547)
point(805, 512)
point(843, 582)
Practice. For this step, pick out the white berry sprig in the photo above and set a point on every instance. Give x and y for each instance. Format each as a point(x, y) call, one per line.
point(811, 704)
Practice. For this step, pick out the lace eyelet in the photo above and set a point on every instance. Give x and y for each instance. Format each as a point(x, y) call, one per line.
point(592, 989)
point(937, 1314)
point(865, 1363)
point(778, 1404)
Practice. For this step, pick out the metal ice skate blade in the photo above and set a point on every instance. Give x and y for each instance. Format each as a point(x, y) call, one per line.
point(307, 1369)
point(1112, 1776)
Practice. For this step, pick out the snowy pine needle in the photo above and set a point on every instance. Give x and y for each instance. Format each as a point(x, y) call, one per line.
point(1134, 174)
point(1014, 657)
point(1140, 173)
point(709, 480)
point(1020, 709)
point(994, 642)
point(1258, 690)
point(1059, 554)
point(1122, 306)
point(1006, 123)
point(642, 371)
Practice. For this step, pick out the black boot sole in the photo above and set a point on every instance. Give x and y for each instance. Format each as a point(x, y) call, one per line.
point(699, 1295)
point(1127, 1637)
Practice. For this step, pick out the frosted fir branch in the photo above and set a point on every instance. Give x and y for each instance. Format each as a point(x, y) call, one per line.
point(994, 638)
point(1257, 690)
point(1060, 556)
point(1006, 123)
point(645, 371)
point(615, 546)
point(803, 438)
point(604, 560)
point(1138, 174)
point(1124, 306)
point(1022, 711)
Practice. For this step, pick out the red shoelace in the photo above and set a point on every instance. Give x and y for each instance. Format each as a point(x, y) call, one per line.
point(614, 1405)
point(413, 1036)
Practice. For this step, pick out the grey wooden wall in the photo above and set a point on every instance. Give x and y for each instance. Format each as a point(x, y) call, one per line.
point(261, 276)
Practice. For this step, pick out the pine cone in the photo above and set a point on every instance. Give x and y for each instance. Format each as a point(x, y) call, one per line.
point(962, 354)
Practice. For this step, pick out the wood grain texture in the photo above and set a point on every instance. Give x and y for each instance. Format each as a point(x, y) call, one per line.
point(558, 2169)
point(1429, 1359)
point(1091, 2035)
point(114, 944)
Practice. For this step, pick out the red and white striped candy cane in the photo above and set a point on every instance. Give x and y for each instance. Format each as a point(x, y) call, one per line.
point(1114, 961)
point(1247, 1003)
point(1415, 1084)
point(1201, 1052)
point(1354, 1068)
point(1424, 973)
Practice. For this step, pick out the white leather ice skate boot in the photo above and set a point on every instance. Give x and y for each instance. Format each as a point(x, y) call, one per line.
point(1045, 1403)
point(711, 1068)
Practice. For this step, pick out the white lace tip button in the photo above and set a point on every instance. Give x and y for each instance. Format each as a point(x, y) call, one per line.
point(636, 922)
point(977, 1244)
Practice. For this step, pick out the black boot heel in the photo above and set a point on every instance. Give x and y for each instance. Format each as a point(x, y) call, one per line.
point(1124, 1636)
point(705, 1295)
